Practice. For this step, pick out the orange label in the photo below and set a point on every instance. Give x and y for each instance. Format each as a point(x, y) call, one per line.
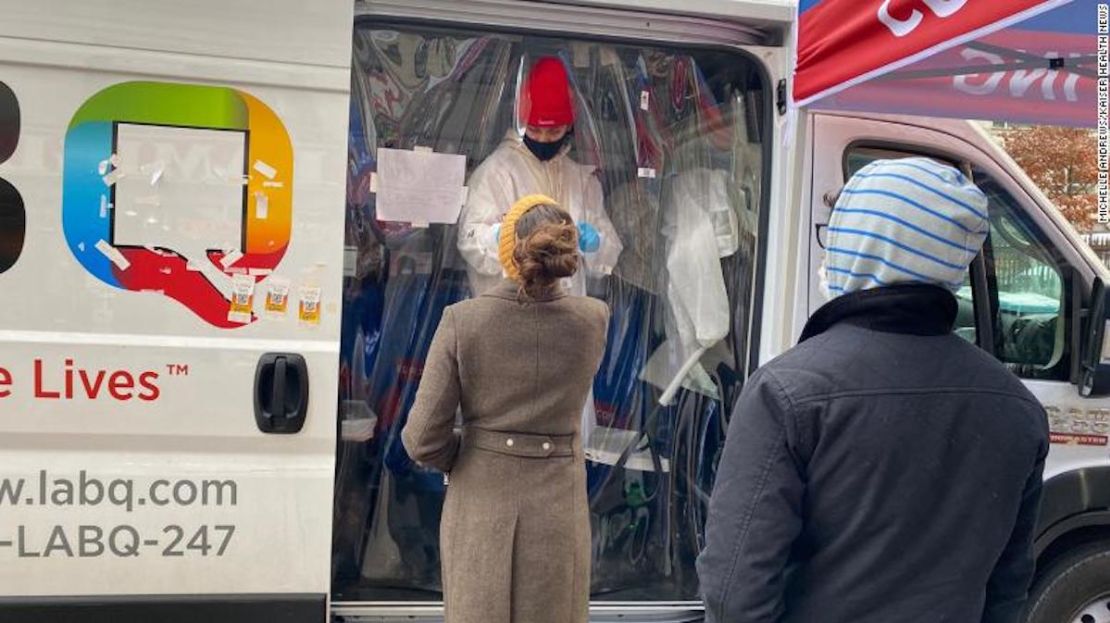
point(277, 297)
point(309, 309)
point(242, 299)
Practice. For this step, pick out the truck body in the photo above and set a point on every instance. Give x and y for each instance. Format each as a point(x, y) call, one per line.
point(210, 340)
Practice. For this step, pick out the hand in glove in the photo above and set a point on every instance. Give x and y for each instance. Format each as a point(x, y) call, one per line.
point(495, 237)
point(589, 240)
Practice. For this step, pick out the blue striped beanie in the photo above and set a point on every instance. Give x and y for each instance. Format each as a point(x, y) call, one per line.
point(911, 220)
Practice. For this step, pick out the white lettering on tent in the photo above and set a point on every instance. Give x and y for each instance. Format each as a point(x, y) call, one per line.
point(1071, 83)
point(900, 27)
point(945, 8)
point(1048, 84)
point(1020, 80)
point(963, 83)
point(903, 27)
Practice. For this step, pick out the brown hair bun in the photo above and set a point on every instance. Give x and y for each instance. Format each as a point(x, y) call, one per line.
point(546, 249)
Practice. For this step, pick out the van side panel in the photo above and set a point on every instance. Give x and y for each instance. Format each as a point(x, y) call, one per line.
point(181, 166)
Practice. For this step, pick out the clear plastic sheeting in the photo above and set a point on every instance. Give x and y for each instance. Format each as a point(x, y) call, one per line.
point(674, 139)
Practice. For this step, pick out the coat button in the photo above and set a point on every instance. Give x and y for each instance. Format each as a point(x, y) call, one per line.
point(509, 442)
point(547, 445)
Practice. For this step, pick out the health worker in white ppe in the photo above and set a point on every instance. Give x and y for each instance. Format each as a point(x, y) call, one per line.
point(537, 163)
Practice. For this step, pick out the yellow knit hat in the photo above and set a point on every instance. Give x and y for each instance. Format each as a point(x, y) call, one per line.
point(507, 237)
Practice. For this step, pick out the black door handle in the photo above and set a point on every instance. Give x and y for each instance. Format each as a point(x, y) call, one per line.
point(280, 393)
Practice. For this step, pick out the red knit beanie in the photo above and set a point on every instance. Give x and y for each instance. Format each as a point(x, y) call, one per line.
point(545, 100)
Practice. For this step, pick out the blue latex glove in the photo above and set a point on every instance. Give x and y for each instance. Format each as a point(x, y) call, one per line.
point(495, 236)
point(589, 240)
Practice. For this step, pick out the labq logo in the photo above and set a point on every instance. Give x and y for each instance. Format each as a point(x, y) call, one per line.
point(178, 189)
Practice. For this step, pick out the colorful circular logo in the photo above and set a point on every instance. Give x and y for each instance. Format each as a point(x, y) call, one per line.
point(178, 189)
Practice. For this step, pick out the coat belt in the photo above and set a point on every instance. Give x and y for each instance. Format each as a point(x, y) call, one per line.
point(528, 445)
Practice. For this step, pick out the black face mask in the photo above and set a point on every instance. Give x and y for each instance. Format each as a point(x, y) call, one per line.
point(545, 151)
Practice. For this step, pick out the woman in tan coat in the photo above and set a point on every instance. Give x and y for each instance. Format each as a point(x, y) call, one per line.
point(519, 361)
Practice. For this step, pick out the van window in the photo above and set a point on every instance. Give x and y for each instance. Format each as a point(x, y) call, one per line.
point(1024, 273)
point(673, 142)
point(13, 220)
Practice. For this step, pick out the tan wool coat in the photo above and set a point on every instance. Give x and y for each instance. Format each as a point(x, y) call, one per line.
point(515, 532)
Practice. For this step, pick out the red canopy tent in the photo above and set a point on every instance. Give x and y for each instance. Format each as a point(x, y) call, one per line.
point(1031, 61)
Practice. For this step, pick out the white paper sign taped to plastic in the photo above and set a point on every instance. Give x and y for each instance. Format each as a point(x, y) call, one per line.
point(646, 172)
point(419, 186)
point(645, 100)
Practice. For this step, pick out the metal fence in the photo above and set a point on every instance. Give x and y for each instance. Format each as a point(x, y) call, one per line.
point(1018, 272)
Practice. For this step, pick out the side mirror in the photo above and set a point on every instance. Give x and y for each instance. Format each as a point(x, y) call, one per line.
point(1094, 374)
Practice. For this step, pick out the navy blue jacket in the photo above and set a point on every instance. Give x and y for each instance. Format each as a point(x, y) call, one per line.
point(883, 470)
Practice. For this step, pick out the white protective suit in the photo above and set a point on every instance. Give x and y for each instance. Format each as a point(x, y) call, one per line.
point(511, 172)
point(700, 227)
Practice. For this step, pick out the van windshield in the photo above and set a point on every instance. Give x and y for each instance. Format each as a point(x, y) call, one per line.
point(667, 152)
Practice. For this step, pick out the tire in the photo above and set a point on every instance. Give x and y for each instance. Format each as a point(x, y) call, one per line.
point(1074, 589)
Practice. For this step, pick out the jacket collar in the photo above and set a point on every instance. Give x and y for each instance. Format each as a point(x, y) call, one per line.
point(910, 309)
point(510, 291)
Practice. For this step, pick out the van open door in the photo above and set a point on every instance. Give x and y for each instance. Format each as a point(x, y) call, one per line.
point(677, 120)
point(170, 322)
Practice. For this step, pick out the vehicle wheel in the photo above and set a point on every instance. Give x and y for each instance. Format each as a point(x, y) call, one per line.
point(1074, 589)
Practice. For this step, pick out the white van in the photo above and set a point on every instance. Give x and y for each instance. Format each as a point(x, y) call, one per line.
point(209, 339)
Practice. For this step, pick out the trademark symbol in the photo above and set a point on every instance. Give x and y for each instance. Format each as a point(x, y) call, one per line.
point(177, 369)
